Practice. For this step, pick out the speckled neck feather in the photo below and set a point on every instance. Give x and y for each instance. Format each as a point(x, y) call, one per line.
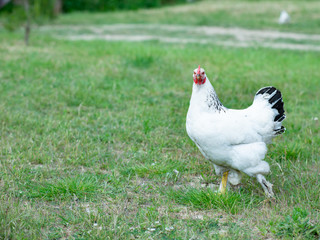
point(213, 101)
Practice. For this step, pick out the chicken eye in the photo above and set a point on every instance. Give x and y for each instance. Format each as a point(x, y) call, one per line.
point(202, 73)
point(194, 72)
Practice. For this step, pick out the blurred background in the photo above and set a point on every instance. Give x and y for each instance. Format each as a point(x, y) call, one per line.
point(289, 16)
point(18, 12)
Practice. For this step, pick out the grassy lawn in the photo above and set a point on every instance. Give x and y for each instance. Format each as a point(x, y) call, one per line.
point(227, 13)
point(93, 142)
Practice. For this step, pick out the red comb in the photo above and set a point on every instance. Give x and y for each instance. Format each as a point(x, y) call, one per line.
point(198, 70)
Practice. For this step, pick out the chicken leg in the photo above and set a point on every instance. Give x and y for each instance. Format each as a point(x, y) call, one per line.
point(223, 185)
point(267, 187)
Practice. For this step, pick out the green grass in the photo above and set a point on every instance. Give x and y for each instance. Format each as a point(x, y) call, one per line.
point(93, 142)
point(230, 13)
point(79, 187)
point(207, 199)
point(295, 224)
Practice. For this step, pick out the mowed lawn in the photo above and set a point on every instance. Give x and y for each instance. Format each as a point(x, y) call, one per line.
point(93, 142)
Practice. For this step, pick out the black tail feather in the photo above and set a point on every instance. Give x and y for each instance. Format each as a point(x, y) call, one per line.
point(279, 131)
point(265, 89)
point(276, 97)
point(276, 103)
point(279, 118)
point(279, 107)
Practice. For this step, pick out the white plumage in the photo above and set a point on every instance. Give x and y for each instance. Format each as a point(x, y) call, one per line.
point(234, 140)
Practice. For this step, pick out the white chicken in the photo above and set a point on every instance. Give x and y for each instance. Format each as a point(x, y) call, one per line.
point(234, 140)
point(284, 17)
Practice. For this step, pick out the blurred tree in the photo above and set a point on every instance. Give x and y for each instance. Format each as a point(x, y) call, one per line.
point(27, 12)
point(3, 2)
point(110, 5)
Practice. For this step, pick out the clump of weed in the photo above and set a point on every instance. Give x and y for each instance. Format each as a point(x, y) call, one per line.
point(296, 225)
point(205, 198)
point(78, 187)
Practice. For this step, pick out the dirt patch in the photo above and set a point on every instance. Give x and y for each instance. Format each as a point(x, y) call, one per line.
point(235, 37)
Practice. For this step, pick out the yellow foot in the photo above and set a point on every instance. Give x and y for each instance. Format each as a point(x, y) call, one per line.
point(224, 182)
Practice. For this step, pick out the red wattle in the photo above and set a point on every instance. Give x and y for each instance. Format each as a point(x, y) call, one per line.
point(200, 82)
point(195, 81)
